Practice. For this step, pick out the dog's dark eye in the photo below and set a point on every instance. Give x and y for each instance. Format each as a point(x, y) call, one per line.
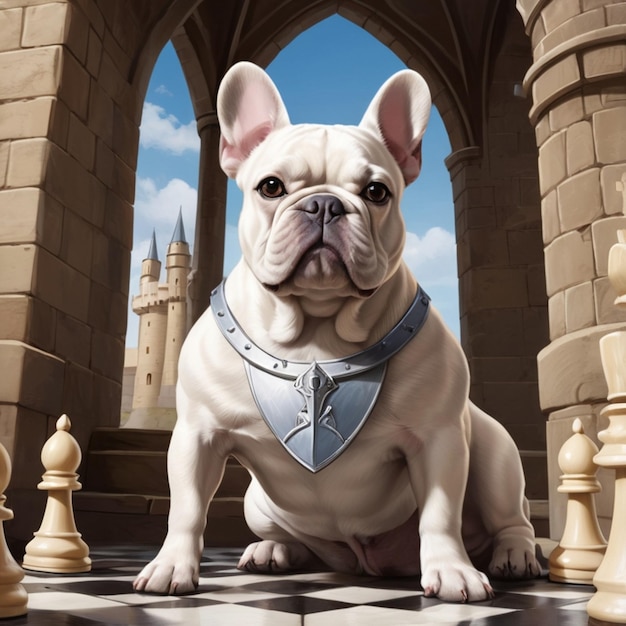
point(271, 188)
point(378, 193)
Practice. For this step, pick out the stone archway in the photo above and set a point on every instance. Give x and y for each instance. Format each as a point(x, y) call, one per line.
point(68, 149)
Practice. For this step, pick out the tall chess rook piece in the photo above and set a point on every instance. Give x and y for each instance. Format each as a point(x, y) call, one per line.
point(13, 596)
point(609, 602)
point(580, 551)
point(57, 546)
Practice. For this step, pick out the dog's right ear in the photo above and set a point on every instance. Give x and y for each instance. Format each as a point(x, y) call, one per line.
point(249, 108)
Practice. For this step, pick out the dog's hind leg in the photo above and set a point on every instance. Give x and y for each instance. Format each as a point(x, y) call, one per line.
point(496, 488)
point(279, 550)
point(273, 557)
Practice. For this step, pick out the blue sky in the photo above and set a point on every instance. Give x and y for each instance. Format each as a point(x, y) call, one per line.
point(331, 83)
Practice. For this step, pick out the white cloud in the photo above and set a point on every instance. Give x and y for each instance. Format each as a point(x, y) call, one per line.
point(432, 258)
point(163, 131)
point(139, 253)
point(158, 207)
point(163, 90)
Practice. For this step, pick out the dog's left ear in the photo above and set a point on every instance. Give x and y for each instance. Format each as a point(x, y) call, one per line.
point(398, 115)
point(249, 108)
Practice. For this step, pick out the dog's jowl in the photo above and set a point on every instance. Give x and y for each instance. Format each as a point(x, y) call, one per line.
point(325, 370)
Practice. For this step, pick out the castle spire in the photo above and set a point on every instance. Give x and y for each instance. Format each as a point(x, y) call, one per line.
point(152, 250)
point(179, 229)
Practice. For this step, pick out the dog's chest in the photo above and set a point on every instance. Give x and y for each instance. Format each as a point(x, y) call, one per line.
point(372, 471)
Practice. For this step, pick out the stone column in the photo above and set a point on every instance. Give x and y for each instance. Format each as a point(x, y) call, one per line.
point(208, 250)
point(68, 148)
point(579, 113)
point(502, 303)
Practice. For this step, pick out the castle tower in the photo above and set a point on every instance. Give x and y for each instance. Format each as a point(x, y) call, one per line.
point(151, 306)
point(178, 266)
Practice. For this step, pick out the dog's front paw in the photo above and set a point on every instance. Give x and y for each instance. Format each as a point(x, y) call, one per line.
point(514, 558)
point(456, 582)
point(273, 557)
point(171, 572)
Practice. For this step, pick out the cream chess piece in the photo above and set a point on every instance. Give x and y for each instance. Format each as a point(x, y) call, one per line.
point(57, 546)
point(609, 602)
point(13, 596)
point(580, 551)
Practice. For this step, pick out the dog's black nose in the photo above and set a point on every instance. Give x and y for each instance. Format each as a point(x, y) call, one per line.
point(324, 207)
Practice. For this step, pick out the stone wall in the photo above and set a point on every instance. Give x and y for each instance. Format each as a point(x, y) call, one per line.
point(68, 148)
point(578, 89)
point(500, 257)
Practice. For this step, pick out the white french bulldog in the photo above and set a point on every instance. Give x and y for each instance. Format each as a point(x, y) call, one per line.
point(431, 485)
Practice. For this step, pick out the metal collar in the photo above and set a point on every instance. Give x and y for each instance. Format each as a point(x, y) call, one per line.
point(317, 409)
point(407, 328)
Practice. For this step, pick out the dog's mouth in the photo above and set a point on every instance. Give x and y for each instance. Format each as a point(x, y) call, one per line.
point(362, 293)
point(320, 267)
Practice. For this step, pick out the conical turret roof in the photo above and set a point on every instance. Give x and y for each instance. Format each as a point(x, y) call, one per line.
point(179, 229)
point(152, 250)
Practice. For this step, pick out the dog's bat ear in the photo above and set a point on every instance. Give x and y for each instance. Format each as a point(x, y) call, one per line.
point(249, 107)
point(398, 115)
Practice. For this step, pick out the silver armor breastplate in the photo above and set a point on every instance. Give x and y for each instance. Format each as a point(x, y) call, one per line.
point(316, 409)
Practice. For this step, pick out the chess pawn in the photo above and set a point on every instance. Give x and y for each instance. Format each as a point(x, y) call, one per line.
point(608, 604)
point(57, 546)
point(13, 596)
point(580, 551)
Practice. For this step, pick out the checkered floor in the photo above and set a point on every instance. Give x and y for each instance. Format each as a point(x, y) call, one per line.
point(227, 596)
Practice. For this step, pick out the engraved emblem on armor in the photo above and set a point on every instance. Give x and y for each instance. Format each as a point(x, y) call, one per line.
point(314, 386)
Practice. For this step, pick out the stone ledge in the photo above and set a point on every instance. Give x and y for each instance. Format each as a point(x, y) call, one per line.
point(530, 10)
point(460, 158)
point(607, 35)
point(570, 370)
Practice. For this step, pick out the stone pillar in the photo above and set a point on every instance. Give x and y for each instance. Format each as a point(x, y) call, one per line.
point(579, 113)
point(68, 146)
point(502, 304)
point(502, 298)
point(208, 250)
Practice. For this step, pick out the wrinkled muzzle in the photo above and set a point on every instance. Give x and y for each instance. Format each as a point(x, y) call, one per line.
point(318, 243)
